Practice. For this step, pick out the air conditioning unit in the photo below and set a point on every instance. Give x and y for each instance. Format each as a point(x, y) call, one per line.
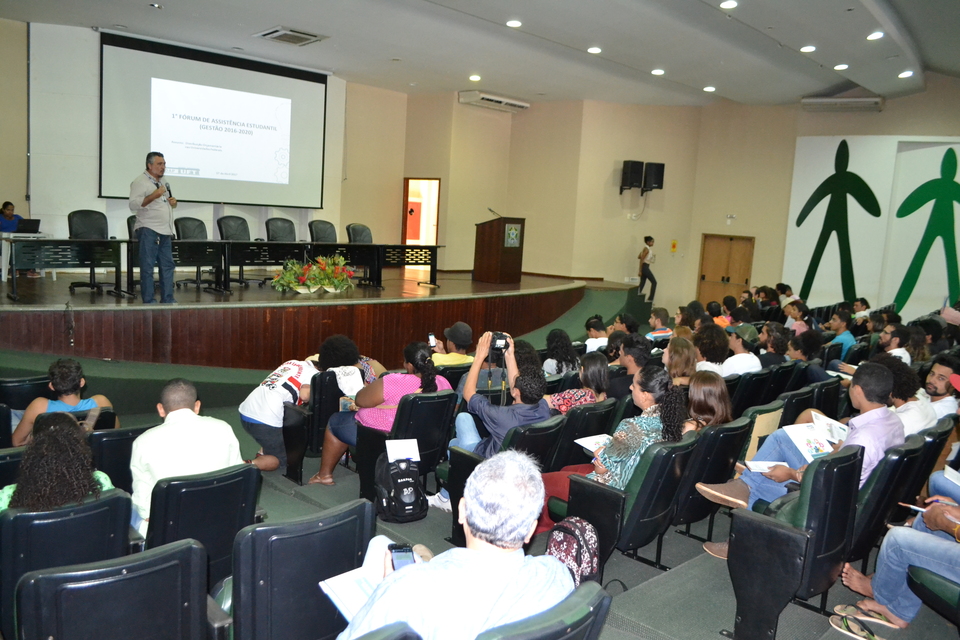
point(286, 35)
point(841, 104)
point(490, 101)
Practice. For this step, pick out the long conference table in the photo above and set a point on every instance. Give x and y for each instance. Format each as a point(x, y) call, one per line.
point(221, 255)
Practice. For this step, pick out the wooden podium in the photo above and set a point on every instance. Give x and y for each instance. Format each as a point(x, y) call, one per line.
point(498, 254)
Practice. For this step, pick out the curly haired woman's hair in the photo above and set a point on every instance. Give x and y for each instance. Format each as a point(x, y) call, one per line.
point(672, 401)
point(418, 355)
point(683, 358)
point(708, 400)
point(779, 337)
point(686, 319)
point(906, 382)
point(526, 355)
point(338, 351)
point(57, 467)
point(712, 343)
point(595, 372)
point(560, 348)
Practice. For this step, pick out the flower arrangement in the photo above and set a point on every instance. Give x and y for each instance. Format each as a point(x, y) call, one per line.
point(329, 272)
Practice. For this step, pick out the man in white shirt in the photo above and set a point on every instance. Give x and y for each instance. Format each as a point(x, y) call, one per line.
point(861, 308)
point(942, 396)
point(893, 339)
point(914, 409)
point(785, 293)
point(742, 361)
point(596, 333)
point(185, 444)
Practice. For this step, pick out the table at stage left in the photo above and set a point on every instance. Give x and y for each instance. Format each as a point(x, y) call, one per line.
point(4, 257)
point(50, 253)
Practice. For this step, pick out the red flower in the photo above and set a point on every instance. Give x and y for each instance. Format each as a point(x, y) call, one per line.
point(302, 279)
point(306, 268)
point(349, 274)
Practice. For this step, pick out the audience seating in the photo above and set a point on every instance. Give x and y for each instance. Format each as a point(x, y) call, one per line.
point(111, 454)
point(208, 507)
point(764, 420)
point(280, 230)
point(939, 593)
point(799, 376)
point(86, 224)
point(324, 402)
point(322, 231)
point(235, 228)
point(15, 395)
point(858, 352)
point(496, 395)
point(571, 380)
point(453, 373)
point(800, 551)
point(107, 419)
point(826, 397)
point(582, 421)
point(830, 352)
point(393, 631)
point(732, 381)
point(295, 439)
point(427, 417)
point(780, 376)
point(580, 348)
point(934, 440)
point(359, 234)
point(624, 409)
point(10, 464)
point(579, 616)
point(160, 593)
point(749, 391)
point(188, 228)
point(553, 383)
point(795, 403)
point(89, 532)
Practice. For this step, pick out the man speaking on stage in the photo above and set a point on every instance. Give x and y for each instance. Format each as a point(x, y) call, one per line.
point(151, 200)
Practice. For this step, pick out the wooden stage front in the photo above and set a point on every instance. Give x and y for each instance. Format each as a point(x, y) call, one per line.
point(258, 328)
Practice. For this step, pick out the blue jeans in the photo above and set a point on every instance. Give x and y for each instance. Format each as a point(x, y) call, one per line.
point(155, 249)
point(901, 548)
point(468, 437)
point(778, 447)
point(939, 486)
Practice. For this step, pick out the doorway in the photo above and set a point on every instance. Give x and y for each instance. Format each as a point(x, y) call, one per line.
point(421, 208)
point(725, 266)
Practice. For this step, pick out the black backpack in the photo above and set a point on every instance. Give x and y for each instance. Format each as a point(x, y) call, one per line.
point(400, 497)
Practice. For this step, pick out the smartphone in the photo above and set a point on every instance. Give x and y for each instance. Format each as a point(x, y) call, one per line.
point(432, 339)
point(401, 554)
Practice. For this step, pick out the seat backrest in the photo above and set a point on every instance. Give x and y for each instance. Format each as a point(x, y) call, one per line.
point(797, 377)
point(934, 440)
point(208, 507)
point(582, 421)
point(539, 440)
point(732, 381)
point(86, 224)
point(276, 568)
point(831, 352)
point(359, 234)
point(780, 376)
point(713, 460)
point(131, 223)
point(324, 402)
point(111, 454)
point(106, 419)
point(826, 397)
point(571, 380)
point(621, 411)
point(794, 403)
point(188, 228)
point(579, 616)
point(163, 590)
point(764, 420)
point(553, 383)
point(750, 391)
point(281, 230)
point(428, 417)
point(17, 393)
point(453, 373)
point(89, 532)
point(858, 352)
point(10, 464)
point(322, 231)
point(496, 396)
point(233, 228)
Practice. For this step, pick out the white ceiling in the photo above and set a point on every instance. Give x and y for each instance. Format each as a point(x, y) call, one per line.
point(750, 54)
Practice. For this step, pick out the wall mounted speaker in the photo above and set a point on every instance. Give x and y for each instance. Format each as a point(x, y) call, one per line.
point(632, 175)
point(652, 176)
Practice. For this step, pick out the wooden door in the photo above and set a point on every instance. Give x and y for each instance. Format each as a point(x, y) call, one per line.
point(725, 267)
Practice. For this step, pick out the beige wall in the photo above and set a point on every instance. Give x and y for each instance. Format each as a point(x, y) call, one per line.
point(429, 135)
point(13, 115)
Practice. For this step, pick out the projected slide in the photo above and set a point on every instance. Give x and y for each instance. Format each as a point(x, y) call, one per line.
point(213, 133)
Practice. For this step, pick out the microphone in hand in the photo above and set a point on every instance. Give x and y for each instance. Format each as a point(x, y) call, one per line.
point(169, 191)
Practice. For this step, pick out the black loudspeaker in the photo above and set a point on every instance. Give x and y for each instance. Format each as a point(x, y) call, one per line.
point(632, 176)
point(652, 176)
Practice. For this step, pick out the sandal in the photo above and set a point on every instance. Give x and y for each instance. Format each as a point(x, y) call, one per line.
point(853, 628)
point(316, 479)
point(860, 613)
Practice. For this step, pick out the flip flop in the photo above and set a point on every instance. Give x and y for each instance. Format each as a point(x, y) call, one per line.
point(853, 628)
point(860, 613)
point(315, 479)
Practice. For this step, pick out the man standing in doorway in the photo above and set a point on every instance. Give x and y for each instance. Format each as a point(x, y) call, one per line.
point(150, 199)
point(647, 258)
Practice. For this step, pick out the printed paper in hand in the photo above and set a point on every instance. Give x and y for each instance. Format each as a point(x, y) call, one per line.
point(812, 441)
point(401, 449)
point(838, 374)
point(350, 591)
point(760, 466)
point(592, 443)
point(951, 474)
point(837, 430)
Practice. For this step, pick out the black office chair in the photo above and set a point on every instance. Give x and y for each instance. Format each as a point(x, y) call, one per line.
point(579, 616)
point(160, 593)
point(235, 228)
point(188, 228)
point(111, 454)
point(86, 224)
point(322, 231)
point(281, 230)
point(359, 234)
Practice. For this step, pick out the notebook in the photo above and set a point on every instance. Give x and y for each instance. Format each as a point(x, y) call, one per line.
point(25, 225)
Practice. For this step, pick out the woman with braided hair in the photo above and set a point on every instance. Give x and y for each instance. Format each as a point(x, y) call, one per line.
point(57, 468)
point(377, 403)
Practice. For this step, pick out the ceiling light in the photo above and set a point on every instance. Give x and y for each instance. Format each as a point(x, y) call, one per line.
point(475, 78)
point(728, 4)
point(905, 74)
point(808, 49)
point(876, 35)
point(709, 89)
point(657, 72)
point(514, 23)
point(593, 50)
point(237, 48)
point(156, 6)
point(841, 67)
point(119, 26)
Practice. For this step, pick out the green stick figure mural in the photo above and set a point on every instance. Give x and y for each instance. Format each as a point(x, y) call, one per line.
point(943, 191)
point(837, 187)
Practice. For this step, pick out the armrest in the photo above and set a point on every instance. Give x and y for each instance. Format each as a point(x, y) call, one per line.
point(774, 508)
point(136, 541)
point(939, 593)
point(602, 506)
point(462, 464)
point(218, 622)
point(370, 444)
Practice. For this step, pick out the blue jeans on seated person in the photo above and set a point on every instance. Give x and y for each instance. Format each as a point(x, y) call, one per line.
point(778, 447)
point(343, 425)
point(939, 486)
point(155, 249)
point(468, 437)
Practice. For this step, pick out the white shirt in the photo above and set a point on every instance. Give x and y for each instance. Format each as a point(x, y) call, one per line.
point(901, 353)
point(945, 406)
point(916, 415)
point(595, 343)
point(185, 444)
point(741, 363)
point(704, 365)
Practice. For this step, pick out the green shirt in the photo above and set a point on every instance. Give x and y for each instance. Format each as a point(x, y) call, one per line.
point(7, 492)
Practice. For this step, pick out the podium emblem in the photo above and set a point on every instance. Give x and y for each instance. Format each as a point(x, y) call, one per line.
point(512, 236)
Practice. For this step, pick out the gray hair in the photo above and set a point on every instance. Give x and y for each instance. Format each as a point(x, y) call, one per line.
point(152, 155)
point(504, 496)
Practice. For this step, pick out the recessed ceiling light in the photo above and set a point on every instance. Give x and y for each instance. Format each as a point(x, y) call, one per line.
point(657, 72)
point(876, 35)
point(808, 49)
point(119, 26)
point(236, 48)
point(905, 74)
point(593, 50)
point(156, 6)
point(728, 4)
point(709, 89)
point(514, 23)
point(841, 67)
point(475, 78)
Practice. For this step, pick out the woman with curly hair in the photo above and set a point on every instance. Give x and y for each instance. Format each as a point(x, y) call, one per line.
point(680, 360)
point(56, 470)
point(594, 376)
point(377, 404)
point(561, 356)
point(708, 401)
point(684, 318)
point(662, 420)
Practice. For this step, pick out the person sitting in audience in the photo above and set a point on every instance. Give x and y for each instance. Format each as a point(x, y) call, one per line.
point(773, 338)
point(683, 318)
point(493, 375)
point(876, 429)
point(56, 469)
point(696, 309)
point(933, 335)
point(915, 411)
point(708, 401)
point(624, 322)
point(893, 339)
point(683, 332)
point(741, 317)
point(66, 380)
point(943, 397)
point(594, 374)
point(527, 387)
point(561, 356)
point(185, 444)
point(716, 312)
point(746, 296)
point(596, 333)
point(917, 345)
point(702, 320)
point(840, 323)
point(680, 360)
point(861, 308)
point(729, 304)
point(527, 355)
point(612, 350)
point(805, 347)
point(490, 582)
point(752, 309)
point(712, 347)
point(742, 361)
point(663, 416)
point(892, 317)
point(785, 293)
point(459, 338)
point(377, 404)
point(634, 353)
point(766, 297)
point(340, 351)
point(659, 319)
point(800, 315)
point(875, 324)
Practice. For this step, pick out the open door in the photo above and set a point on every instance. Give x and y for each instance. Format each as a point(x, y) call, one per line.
point(421, 208)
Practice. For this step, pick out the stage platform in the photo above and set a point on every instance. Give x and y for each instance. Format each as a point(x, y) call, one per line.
point(258, 327)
